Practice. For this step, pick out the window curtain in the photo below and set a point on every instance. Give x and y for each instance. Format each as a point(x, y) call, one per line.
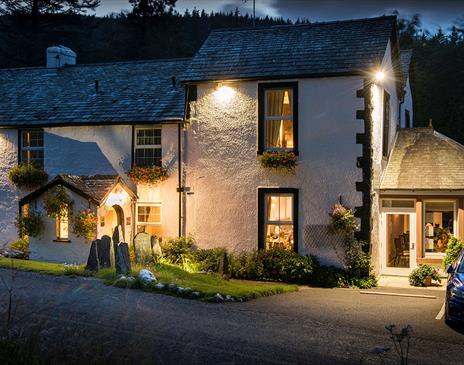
point(275, 106)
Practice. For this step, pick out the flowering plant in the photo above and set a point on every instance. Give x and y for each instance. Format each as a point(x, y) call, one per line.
point(85, 224)
point(284, 160)
point(343, 220)
point(57, 202)
point(27, 175)
point(30, 225)
point(148, 175)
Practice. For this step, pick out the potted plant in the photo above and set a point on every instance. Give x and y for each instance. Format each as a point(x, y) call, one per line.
point(29, 225)
point(57, 202)
point(85, 224)
point(424, 275)
point(280, 160)
point(27, 176)
point(148, 175)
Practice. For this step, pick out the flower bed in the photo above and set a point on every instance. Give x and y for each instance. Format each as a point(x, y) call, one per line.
point(280, 160)
point(148, 175)
point(27, 176)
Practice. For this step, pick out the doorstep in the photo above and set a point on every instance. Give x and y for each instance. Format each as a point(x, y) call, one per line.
point(394, 281)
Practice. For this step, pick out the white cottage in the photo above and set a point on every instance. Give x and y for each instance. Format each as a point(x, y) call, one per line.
point(337, 95)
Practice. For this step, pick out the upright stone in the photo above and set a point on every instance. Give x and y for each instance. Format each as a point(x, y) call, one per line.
point(92, 261)
point(142, 247)
point(117, 238)
point(123, 265)
point(155, 246)
point(104, 251)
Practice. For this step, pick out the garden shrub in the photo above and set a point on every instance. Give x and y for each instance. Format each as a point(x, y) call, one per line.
point(342, 220)
point(21, 244)
point(85, 224)
point(328, 277)
point(418, 275)
point(208, 259)
point(27, 175)
point(30, 225)
point(175, 249)
point(283, 160)
point(454, 248)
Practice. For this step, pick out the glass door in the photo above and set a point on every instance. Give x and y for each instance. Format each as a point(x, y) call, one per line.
point(399, 236)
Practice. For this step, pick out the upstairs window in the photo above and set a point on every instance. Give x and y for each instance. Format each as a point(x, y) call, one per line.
point(278, 116)
point(32, 147)
point(147, 147)
point(386, 124)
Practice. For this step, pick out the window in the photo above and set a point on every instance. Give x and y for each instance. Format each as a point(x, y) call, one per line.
point(62, 226)
point(278, 116)
point(278, 218)
point(386, 123)
point(439, 225)
point(397, 203)
point(32, 147)
point(149, 218)
point(147, 147)
point(408, 119)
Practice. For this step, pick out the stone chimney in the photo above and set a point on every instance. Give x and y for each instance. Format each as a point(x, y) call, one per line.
point(60, 56)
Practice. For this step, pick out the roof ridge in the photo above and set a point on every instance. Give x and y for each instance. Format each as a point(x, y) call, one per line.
point(154, 60)
point(264, 27)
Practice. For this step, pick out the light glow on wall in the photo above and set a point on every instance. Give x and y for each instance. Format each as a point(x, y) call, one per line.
point(224, 93)
point(116, 198)
point(379, 76)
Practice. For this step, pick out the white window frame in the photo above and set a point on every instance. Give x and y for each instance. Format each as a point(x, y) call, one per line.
point(438, 255)
point(149, 146)
point(30, 149)
point(290, 117)
point(141, 204)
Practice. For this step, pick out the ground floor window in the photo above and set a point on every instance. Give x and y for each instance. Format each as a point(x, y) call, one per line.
point(278, 212)
point(149, 218)
point(62, 226)
point(439, 225)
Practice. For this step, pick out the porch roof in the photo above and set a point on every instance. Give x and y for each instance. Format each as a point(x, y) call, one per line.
point(94, 188)
point(423, 159)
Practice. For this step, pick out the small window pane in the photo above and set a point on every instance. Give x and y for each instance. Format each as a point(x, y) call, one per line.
point(279, 236)
point(279, 134)
point(394, 203)
point(439, 225)
point(148, 137)
point(279, 103)
point(279, 208)
point(149, 214)
point(147, 157)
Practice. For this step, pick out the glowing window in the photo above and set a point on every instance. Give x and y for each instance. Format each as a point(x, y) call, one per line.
point(32, 147)
point(149, 218)
point(279, 222)
point(62, 226)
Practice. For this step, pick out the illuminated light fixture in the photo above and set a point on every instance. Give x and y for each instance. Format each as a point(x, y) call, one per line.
point(224, 93)
point(286, 98)
point(116, 198)
point(379, 76)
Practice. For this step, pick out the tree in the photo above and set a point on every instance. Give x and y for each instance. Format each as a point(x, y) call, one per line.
point(36, 7)
point(148, 8)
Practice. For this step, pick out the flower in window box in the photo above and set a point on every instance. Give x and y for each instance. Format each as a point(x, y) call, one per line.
point(148, 175)
point(27, 175)
point(282, 160)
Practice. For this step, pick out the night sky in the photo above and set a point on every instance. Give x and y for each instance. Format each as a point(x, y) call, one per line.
point(435, 14)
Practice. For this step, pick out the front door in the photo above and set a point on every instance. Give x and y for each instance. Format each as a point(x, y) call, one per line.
point(398, 242)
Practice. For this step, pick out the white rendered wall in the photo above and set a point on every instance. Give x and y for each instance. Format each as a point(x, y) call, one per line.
point(43, 247)
point(224, 174)
point(407, 105)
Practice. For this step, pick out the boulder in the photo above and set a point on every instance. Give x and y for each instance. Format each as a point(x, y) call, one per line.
point(121, 282)
point(172, 285)
point(146, 277)
point(131, 281)
point(123, 265)
point(13, 254)
point(195, 294)
point(218, 298)
point(229, 298)
point(160, 286)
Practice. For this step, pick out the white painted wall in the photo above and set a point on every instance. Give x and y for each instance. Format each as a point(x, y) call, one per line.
point(224, 173)
point(43, 247)
point(407, 105)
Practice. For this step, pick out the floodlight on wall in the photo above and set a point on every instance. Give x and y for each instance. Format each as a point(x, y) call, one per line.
point(379, 76)
point(224, 93)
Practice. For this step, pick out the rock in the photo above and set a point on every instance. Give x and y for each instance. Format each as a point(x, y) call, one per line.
point(218, 298)
point(155, 246)
point(104, 251)
point(195, 294)
point(13, 254)
point(160, 286)
point(121, 282)
point(188, 290)
point(131, 281)
point(172, 285)
point(146, 277)
point(229, 298)
point(180, 291)
point(142, 247)
point(92, 260)
point(123, 265)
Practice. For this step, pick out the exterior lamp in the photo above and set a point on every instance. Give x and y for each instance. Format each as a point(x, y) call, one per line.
point(224, 93)
point(379, 76)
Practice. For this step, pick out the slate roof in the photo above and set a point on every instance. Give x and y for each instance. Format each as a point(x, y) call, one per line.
point(94, 187)
point(423, 159)
point(329, 48)
point(129, 92)
point(405, 62)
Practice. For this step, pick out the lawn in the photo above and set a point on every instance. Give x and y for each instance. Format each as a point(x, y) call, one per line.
point(207, 284)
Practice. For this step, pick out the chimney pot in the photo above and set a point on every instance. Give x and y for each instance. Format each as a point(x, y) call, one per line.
point(60, 56)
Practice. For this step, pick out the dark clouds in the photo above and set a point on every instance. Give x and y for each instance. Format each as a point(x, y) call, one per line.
point(434, 14)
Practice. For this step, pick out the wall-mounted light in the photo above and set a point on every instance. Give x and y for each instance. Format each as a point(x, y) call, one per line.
point(224, 93)
point(379, 76)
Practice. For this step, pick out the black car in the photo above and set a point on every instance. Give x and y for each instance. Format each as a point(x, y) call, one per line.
point(454, 304)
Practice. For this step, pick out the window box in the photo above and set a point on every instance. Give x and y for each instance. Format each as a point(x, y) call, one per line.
point(280, 160)
point(148, 175)
point(27, 176)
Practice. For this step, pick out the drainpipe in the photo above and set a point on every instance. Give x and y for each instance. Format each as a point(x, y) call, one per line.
point(181, 188)
point(399, 106)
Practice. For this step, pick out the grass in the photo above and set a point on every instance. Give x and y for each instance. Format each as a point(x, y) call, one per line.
point(207, 284)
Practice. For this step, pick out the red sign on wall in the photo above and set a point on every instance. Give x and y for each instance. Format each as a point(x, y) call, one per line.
point(128, 221)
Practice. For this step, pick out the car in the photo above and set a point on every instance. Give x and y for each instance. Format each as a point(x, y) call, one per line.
point(454, 302)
